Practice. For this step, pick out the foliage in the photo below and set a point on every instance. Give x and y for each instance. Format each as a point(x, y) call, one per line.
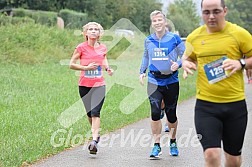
point(106, 12)
point(240, 13)
point(183, 14)
point(41, 17)
point(6, 20)
point(73, 19)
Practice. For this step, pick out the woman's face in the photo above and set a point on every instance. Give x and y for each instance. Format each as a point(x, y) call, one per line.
point(93, 32)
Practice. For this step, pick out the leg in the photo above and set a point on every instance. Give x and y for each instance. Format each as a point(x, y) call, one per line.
point(162, 104)
point(97, 100)
point(156, 127)
point(212, 157)
point(85, 95)
point(95, 127)
point(155, 98)
point(173, 128)
point(97, 95)
point(171, 99)
point(232, 161)
point(171, 94)
point(162, 110)
point(233, 132)
point(209, 127)
point(166, 127)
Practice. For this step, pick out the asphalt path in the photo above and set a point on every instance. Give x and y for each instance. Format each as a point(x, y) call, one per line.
point(131, 145)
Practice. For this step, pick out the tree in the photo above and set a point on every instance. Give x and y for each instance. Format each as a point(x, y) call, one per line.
point(183, 14)
point(239, 12)
point(106, 12)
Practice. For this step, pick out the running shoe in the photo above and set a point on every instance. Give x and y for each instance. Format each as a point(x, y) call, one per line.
point(174, 149)
point(162, 113)
point(92, 147)
point(166, 129)
point(156, 152)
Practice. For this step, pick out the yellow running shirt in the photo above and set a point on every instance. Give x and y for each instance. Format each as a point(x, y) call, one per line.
point(232, 42)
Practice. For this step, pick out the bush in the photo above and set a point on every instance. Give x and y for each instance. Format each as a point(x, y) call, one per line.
point(5, 20)
point(73, 19)
point(41, 17)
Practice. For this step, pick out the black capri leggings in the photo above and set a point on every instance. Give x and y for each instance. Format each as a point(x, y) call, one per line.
point(92, 98)
point(169, 94)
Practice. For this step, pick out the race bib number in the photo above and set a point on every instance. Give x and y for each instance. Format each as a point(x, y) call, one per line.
point(93, 73)
point(160, 54)
point(214, 71)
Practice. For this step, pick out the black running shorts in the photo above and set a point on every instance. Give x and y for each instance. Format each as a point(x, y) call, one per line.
point(226, 122)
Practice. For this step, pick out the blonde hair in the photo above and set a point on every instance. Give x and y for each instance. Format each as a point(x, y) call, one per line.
point(86, 26)
point(156, 12)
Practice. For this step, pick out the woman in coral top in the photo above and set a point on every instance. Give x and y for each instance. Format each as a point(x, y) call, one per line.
point(92, 56)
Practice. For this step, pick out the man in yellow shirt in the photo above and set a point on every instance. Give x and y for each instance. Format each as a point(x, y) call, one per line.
point(216, 50)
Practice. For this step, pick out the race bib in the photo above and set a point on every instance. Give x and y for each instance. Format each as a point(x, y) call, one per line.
point(214, 71)
point(160, 54)
point(93, 73)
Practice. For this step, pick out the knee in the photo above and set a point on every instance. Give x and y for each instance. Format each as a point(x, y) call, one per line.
point(155, 116)
point(213, 156)
point(232, 161)
point(171, 116)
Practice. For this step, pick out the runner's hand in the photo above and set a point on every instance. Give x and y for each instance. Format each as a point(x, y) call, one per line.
point(174, 66)
point(110, 71)
point(231, 66)
point(92, 66)
point(188, 66)
point(141, 77)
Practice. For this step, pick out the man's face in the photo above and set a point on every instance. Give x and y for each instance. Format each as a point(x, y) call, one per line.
point(213, 14)
point(158, 22)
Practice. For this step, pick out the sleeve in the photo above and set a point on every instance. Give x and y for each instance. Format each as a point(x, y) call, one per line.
point(79, 48)
point(105, 50)
point(145, 59)
point(245, 42)
point(189, 50)
point(180, 49)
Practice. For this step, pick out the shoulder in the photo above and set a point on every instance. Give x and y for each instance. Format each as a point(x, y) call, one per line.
point(103, 45)
point(177, 37)
point(172, 37)
point(150, 39)
point(237, 30)
point(103, 48)
point(195, 33)
point(81, 45)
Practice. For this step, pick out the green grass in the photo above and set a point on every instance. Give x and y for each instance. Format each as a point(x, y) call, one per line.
point(37, 89)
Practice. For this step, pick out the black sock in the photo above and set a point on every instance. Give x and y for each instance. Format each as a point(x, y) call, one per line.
point(172, 140)
point(157, 144)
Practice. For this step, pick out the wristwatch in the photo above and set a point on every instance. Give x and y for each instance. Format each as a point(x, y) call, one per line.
point(243, 63)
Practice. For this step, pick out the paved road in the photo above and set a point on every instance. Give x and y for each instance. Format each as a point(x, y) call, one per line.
point(130, 146)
